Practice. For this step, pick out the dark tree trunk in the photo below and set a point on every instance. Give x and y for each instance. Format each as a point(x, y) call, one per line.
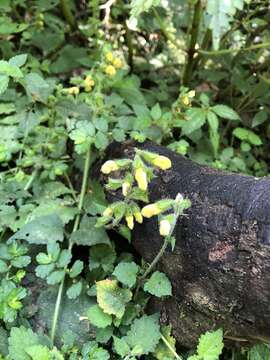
point(220, 268)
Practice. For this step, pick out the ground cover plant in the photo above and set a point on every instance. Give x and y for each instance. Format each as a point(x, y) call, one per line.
point(76, 76)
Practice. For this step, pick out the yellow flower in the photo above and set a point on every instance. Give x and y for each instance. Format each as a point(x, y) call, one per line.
point(110, 70)
point(150, 210)
point(191, 93)
point(107, 212)
point(125, 188)
point(74, 90)
point(109, 166)
point(164, 228)
point(138, 217)
point(88, 83)
point(162, 162)
point(185, 100)
point(141, 178)
point(130, 221)
point(117, 62)
point(109, 56)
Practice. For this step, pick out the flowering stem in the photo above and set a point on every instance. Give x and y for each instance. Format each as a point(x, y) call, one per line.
point(75, 228)
point(160, 253)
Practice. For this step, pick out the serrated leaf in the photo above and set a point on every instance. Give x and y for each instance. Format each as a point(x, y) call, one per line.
point(120, 346)
point(98, 317)
point(156, 112)
point(88, 234)
point(247, 135)
point(4, 80)
point(55, 277)
point(18, 60)
point(74, 290)
point(10, 70)
point(158, 285)
point(37, 88)
point(210, 345)
point(225, 112)
point(43, 271)
point(41, 231)
point(76, 269)
point(196, 118)
point(38, 352)
point(126, 273)
point(111, 298)
point(20, 339)
point(144, 333)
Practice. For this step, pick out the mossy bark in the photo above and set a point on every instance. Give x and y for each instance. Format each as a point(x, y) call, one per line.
point(220, 268)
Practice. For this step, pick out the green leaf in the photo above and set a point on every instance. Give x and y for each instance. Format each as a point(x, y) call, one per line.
point(111, 298)
point(195, 120)
point(156, 112)
point(20, 339)
point(158, 285)
point(37, 88)
point(38, 352)
point(102, 256)
point(120, 346)
point(221, 14)
point(139, 6)
point(213, 131)
point(260, 352)
point(210, 345)
point(225, 112)
point(10, 70)
point(74, 290)
point(162, 351)
point(18, 60)
point(95, 202)
point(98, 317)
point(144, 333)
point(76, 269)
point(3, 341)
point(3, 267)
point(43, 271)
point(126, 273)
point(55, 277)
point(88, 234)
point(41, 231)
point(259, 118)
point(4, 80)
point(247, 135)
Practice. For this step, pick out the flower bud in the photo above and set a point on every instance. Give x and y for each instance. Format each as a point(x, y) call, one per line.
point(109, 56)
point(138, 217)
point(164, 228)
point(110, 70)
point(162, 162)
point(125, 188)
point(74, 90)
point(141, 178)
point(117, 63)
point(130, 221)
point(150, 210)
point(107, 212)
point(109, 166)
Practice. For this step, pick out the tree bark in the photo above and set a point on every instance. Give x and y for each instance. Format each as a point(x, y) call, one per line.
point(220, 267)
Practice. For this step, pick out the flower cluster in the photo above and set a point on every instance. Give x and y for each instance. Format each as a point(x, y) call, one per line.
point(134, 178)
point(113, 63)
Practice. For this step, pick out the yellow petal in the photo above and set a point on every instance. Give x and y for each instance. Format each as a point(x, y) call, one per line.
point(162, 162)
point(150, 210)
point(138, 217)
point(109, 166)
point(164, 228)
point(141, 178)
point(130, 222)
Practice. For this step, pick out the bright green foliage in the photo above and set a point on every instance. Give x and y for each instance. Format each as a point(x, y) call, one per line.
point(126, 273)
point(162, 351)
point(20, 340)
point(98, 318)
point(158, 285)
point(111, 298)
point(210, 346)
point(144, 334)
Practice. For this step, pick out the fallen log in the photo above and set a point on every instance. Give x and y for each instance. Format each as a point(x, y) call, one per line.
point(220, 268)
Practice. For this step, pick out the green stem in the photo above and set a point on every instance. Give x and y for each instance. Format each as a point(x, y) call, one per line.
point(65, 6)
point(171, 348)
point(229, 51)
point(73, 192)
point(128, 38)
point(75, 227)
point(193, 41)
point(163, 28)
point(31, 180)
